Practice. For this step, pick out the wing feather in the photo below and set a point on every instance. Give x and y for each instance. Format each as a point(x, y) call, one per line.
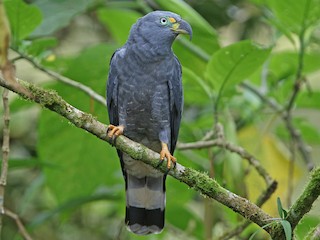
point(176, 100)
point(112, 91)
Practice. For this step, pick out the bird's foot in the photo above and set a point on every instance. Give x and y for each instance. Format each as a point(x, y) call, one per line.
point(165, 153)
point(114, 131)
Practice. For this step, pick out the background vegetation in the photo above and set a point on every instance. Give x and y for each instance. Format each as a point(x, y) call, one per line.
point(252, 65)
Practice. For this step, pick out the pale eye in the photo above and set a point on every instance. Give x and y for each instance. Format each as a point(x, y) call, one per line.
point(163, 21)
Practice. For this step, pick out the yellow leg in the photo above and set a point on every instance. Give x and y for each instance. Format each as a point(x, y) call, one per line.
point(114, 131)
point(165, 153)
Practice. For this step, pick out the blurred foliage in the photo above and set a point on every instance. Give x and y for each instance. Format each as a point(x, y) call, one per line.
point(67, 184)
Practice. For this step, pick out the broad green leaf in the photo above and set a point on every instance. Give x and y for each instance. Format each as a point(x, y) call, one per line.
point(179, 209)
point(204, 35)
point(82, 162)
point(280, 209)
point(285, 64)
point(72, 204)
point(91, 66)
point(58, 14)
point(196, 90)
point(24, 18)
point(38, 48)
point(27, 163)
point(309, 99)
point(197, 65)
point(118, 22)
point(287, 229)
point(233, 171)
point(310, 221)
point(233, 64)
point(296, 15)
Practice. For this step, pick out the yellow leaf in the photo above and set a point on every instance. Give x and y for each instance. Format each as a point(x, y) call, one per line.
point(275, 158)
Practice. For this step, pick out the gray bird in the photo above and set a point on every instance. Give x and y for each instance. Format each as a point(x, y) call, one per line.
point(144, 100)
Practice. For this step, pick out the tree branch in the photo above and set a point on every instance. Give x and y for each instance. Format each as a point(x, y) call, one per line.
point(20, 225)
point(303, 148)
point(89, 91)
point(199, 181)
point(302, 205)
point(220, 142)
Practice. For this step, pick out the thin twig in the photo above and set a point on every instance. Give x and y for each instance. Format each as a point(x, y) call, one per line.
point(302, 205)
point(232, 148)
point(264, 196)
point(288, 110)
point(194, 179)
point(24, 233)
point(89, 91)
point(302, 147)
point(5, 149)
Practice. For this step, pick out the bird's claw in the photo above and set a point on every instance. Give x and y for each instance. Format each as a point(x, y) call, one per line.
point(114, 131)
point(165, 153)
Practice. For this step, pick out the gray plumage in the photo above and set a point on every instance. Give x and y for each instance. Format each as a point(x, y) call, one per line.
point(144, 95)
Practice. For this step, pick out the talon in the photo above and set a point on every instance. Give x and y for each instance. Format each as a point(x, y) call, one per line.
point(114, 131)
point(165, 153)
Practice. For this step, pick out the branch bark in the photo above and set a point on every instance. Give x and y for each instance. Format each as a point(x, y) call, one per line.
point(20, 225)
point(303, 148)
point(87, 90)
point(199, 181)
point(303, 204)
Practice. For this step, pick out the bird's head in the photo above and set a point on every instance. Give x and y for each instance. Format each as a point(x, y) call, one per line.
point(161, 27)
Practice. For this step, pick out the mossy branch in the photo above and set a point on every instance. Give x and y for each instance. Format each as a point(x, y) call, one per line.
point(201, 182)
point(302, 205)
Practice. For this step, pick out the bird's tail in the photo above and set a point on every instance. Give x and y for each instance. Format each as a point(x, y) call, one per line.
point(145, 204)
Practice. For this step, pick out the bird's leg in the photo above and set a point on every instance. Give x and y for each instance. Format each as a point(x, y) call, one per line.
point(165, 153)
point(114, 131)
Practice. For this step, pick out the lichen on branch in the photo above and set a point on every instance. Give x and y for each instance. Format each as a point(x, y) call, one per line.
point(196, 180)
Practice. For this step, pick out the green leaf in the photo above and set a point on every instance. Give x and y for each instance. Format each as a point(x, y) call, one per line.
point(82, 162)
point(90, 67)
point(72, 204)
point(197, 65)
point(27, 163)
point(309, 100)
point(204, 35)
point(280, 209)
point(38, 48)
point(58, 14)
point(178, 209)
point(196, 90)
point(233, 64)
point(296, 15)
point(23, 18)
point(118, 22)
point(263, 227)
point(287, 229)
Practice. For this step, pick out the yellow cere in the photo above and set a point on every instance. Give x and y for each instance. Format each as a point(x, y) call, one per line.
point(172, 20)
point(175, 26)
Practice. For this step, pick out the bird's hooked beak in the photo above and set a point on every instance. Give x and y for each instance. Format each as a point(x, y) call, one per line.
point(182, 27)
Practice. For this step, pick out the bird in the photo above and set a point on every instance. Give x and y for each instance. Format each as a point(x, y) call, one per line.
point(145, 101)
